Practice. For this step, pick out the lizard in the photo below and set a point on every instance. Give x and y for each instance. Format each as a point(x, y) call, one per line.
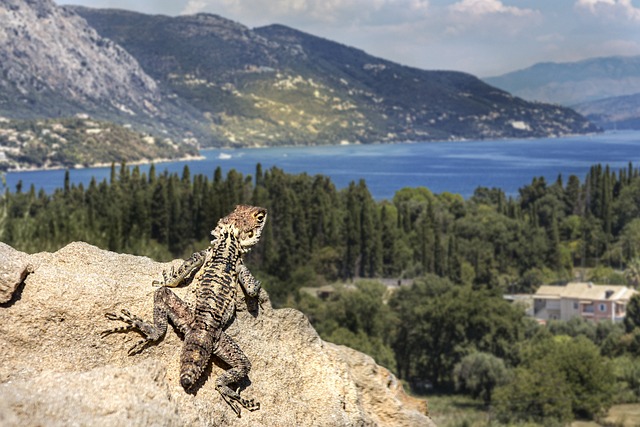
point(216, 271)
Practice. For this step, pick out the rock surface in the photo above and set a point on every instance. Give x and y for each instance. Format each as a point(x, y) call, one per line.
point(55, 369)
point(14, 268)
point(53, 64)
point(44, 47)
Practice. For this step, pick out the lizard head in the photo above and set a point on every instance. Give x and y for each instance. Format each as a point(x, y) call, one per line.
point(247, 222)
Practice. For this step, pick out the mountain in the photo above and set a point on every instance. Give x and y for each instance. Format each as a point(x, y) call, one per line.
point(276, 85)
point(572, 83)
point(619, 112)
point(53, 64)
point(600, 88)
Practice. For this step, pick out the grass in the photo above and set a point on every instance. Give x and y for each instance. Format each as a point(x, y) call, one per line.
point(626, 415)
point(463, 411)
point(457, 410)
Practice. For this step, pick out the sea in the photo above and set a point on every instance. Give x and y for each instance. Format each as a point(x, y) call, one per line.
point(455, 167)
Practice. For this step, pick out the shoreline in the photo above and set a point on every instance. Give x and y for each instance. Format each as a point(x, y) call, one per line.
point(454, 168)
point(107, 164)
point(200, 157)
point(410, 141)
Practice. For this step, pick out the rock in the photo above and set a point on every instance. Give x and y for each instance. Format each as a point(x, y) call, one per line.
point(55, 370)
point(53, 64)
point(13, 270)
point(47, 48)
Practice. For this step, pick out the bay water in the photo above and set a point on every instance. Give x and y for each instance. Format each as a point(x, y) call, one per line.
point(455, 167)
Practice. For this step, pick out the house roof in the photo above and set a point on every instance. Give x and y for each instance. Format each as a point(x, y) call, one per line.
point(585, 291)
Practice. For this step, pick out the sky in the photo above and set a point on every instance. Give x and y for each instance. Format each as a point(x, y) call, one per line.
point(482, 37)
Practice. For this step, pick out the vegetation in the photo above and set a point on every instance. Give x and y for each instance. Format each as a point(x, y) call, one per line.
point(275, 85)
point(451, 330)
point(73, 142)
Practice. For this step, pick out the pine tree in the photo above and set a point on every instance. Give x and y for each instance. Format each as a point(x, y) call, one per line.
point(352, 234)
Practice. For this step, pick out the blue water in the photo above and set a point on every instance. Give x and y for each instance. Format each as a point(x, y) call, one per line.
point(455, 167)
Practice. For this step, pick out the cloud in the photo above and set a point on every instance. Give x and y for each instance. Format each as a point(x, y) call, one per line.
point(484, 7)
point(327, 12)
point(611, 9)
point(489, 19)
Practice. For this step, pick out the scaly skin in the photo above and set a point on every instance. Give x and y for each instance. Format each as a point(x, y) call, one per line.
point(216, 271)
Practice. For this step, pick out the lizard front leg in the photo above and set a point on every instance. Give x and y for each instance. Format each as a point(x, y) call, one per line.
point(174, 277)
point(166, 305)
point(250, 284)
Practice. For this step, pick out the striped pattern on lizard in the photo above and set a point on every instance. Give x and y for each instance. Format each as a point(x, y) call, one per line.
point(216, 271)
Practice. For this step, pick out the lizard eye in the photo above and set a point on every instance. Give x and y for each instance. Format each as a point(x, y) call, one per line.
point(260, 216)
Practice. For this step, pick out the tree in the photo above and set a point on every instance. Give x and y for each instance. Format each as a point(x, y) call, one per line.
point(632, 316)
point(537, 394)
point(632, 272)
point(358, 318)
point(630, 239)
point(439, 323)
point(479, 373)
point(559, 378)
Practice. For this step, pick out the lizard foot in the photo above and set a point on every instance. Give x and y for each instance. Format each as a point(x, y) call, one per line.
point(234, 400)
point(134, 323)
point(166, 277)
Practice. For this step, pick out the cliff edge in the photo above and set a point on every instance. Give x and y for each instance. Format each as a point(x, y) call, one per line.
point(56, 370)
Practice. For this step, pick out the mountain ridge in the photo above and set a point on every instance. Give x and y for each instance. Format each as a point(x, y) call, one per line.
point(276, 85)
point(618, 112)
point(204, 77)
point(602, 88)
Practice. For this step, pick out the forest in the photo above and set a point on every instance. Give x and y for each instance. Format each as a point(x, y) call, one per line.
point(443, 325)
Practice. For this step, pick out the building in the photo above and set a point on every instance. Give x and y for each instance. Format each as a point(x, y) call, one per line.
point(589, 301)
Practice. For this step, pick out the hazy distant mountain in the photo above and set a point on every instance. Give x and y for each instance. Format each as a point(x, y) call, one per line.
point(52, 64)
point(590, 86)
point(620, 112)
point(572, 83)
point(275, 85)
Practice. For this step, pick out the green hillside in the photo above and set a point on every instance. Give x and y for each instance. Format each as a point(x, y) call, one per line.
point(275, 85)
point(78, 142)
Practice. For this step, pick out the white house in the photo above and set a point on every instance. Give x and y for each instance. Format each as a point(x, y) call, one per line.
point(595, 302)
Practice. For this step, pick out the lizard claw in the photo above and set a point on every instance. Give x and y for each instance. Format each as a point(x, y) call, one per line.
point(138, 347)
point(234, 400)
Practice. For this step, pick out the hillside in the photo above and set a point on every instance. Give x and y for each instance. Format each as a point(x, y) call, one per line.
point(78, 142)
point(53, 64)
point(572, 83)
point(602, 89)
point(618, 112)
point(275, 85)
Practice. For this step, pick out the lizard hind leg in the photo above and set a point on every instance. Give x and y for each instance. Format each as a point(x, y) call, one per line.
point(166, 305)
point(133, 323)
point(229, 352)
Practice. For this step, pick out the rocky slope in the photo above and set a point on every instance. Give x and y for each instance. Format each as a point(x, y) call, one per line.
point(276, 85)
point(53, 64)
point(55, 370)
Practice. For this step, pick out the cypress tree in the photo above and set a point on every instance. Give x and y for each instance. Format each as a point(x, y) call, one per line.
point(388, 238)
point(352, 228)
point(67, 185)
point(152, 174)
point(160, 212)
